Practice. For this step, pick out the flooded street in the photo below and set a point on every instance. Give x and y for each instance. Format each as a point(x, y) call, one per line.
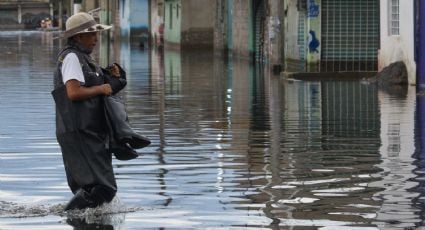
point(232, 147)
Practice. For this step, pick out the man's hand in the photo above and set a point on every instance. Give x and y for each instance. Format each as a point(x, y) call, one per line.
point(115, 71)
point(106, 89)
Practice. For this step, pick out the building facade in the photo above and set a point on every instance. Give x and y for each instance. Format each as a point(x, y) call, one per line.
point(250, 29)
point(300, 35)
point(15, 14)
point(398, 35)
point(189, 24)
point(332, 35)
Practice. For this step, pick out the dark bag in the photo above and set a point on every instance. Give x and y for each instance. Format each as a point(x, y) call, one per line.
point(123, 138)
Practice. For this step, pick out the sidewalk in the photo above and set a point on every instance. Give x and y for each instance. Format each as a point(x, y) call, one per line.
point(328, 76)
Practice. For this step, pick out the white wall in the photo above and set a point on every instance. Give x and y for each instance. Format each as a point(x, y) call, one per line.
point(292, 49)
point(401, 47)
point(139, 15)
point(397, 148)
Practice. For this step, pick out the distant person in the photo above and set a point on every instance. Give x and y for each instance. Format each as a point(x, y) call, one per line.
point(43, 24)
point(48, 23)
point(81, 126)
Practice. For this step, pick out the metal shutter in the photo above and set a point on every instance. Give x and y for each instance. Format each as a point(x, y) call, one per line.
point(350, 35)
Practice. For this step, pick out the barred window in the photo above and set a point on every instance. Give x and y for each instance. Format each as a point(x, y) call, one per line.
point(394, 17)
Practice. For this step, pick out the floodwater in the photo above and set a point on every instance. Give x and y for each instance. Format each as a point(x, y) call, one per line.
point(233, 147)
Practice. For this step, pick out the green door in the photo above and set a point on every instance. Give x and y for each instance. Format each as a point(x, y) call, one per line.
point(259, 15)
point(172, 19)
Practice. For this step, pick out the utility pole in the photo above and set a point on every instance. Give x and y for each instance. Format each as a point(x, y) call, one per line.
point(76, 6)
point(60, 15)
point(105, 39)
point(420, 76)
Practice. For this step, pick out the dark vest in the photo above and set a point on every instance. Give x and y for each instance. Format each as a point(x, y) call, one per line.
point(92, 72)
point(87, 115)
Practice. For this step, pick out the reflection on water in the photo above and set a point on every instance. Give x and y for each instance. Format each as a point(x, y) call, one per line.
point(419, 163)
point(232, 146)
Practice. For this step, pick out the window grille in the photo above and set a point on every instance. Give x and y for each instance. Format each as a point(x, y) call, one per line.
point(302, 40)
point(350, 35)
point(349, 109)
point(394, 17)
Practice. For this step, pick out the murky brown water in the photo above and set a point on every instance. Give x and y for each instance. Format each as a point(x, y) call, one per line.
point(232, 147)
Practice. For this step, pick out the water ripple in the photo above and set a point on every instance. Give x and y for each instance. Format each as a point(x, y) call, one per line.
point(232, 147)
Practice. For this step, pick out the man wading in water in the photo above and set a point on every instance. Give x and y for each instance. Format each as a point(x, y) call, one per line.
point(81, 128)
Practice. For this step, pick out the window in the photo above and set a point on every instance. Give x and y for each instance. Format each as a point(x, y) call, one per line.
point(394, 17)
point(171, 16)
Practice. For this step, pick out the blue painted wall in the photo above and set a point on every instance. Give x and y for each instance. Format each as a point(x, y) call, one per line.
point(134, 19)
point(139, 14)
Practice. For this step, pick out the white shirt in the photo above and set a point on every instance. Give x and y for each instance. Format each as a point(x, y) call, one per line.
point(71, 69)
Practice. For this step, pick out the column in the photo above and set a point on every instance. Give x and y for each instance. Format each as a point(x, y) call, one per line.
point(314, 29)
point(105, 41)
point(77, 6)
point(60, 15)
point(274, 25)
point(19, 14)
point(51, 12)
point(420, 52)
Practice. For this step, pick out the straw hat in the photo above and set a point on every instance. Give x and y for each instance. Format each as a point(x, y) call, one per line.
point(82, 23)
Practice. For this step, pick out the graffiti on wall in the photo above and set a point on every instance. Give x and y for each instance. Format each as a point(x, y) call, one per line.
point(313, 42)
point(313, 9)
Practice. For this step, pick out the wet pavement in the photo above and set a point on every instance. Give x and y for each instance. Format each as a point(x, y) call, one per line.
point(232, 147)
